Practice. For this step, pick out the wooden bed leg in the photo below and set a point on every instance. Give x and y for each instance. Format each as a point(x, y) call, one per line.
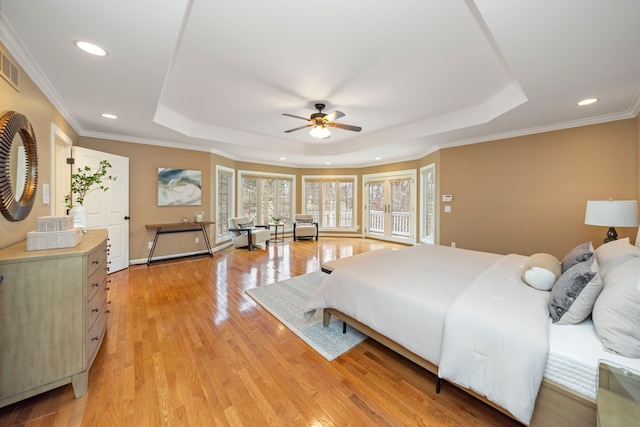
point(326, 318)
point(437, 384)
point(344, 327)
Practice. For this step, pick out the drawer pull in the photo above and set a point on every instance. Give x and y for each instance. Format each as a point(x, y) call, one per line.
point(95, 338)
point(95, 285)
point(107, 311)
point(107, 289)
point(95, 310)
point(95, 261)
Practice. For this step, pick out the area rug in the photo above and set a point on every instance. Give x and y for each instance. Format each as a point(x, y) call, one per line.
point(285, 300)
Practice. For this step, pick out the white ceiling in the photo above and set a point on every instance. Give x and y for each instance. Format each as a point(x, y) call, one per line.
point(417, 75)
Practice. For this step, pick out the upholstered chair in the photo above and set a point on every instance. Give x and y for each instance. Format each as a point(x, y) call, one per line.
point(245, 234)
point(304, 227)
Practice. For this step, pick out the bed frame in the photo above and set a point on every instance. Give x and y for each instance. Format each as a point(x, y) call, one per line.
point(556, 405)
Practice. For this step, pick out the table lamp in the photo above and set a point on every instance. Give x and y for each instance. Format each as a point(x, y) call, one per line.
point(612, 213)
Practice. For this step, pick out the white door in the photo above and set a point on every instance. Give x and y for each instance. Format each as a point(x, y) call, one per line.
point(389, 210)
point(60, 170)
point(109, 209)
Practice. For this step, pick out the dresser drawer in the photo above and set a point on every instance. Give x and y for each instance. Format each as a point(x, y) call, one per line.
point(95, 281)
point(96, 333)
point(96, 304)
point(96, 258)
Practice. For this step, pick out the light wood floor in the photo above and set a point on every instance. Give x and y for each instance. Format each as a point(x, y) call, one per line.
point(186, 346)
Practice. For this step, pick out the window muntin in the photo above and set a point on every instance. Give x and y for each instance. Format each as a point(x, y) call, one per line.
point(429, 208)
point(224, 201)
point(264, 196)
point(330, 199)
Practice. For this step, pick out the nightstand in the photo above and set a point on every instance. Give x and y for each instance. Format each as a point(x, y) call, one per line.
point(618, 395)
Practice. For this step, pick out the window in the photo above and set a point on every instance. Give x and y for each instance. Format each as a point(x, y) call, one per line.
point(330, 199)
point(428, 196)
point(224, 202)
point(265, 196)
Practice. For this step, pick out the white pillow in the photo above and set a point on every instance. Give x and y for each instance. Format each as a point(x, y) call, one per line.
point(615, 253)
point(616, 313)
point(541, 271)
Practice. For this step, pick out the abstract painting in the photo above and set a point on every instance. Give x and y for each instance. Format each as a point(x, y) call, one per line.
point(179, 187)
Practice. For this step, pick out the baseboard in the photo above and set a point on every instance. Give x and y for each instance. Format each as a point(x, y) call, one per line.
point(185, 254)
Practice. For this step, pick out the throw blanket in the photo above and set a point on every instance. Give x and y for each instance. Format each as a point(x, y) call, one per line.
point(496, 338)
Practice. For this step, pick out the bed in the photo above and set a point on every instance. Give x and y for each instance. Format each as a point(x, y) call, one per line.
point(471, 319)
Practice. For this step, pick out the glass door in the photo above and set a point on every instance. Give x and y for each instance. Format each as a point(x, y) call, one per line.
point(390, 206)
point(377, 209)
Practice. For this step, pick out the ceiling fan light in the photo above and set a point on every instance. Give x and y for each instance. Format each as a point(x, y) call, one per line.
point(320, 132)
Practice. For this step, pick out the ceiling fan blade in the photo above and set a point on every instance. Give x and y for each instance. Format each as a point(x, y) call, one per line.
point(298, 128)
point(345, 127)
point(295, 117)
point(334, 116)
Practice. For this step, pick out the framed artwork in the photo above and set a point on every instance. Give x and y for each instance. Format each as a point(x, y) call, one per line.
point(179, 187)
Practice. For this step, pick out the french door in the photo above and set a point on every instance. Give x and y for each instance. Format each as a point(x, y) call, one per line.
point(389, 206)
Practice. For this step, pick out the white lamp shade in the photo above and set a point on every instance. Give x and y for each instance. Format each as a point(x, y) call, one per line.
point(612, 213)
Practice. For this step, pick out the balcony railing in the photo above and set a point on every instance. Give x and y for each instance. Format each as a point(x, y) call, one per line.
point(400, 223)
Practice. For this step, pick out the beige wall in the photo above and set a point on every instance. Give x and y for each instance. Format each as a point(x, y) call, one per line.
point(30, 102)
point(144, 161)
point(528, 194)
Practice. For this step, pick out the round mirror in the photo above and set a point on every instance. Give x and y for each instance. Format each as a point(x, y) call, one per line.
point(18, 166)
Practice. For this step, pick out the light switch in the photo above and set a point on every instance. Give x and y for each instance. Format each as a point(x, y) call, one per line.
point(45, 194)
point(447, 198)
point(447, 208)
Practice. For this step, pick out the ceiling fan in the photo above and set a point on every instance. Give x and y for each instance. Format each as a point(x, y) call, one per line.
point(321, 122)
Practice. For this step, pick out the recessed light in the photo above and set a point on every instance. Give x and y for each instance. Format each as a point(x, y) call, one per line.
point(587, 101)
point(109, 116)
point(378, 158)
point(327, 163)
point(90, 48)
point(283, 158)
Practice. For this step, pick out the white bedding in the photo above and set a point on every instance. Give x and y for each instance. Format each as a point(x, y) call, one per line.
point(406, 297)
point(406, 304)
point(574, 353)
point(496, 338)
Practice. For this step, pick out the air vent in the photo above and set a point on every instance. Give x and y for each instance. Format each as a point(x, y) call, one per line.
point(9, 70)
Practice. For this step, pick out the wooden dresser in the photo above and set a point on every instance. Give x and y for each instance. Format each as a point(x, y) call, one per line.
point(53, 316)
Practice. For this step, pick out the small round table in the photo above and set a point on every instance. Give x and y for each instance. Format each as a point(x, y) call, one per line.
point(276, 239)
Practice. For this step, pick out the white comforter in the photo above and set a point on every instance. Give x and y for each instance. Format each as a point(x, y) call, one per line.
point(404, 294)
point(496, 338)
point(466, 311)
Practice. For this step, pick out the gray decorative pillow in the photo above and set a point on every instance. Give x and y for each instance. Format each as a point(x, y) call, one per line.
point(575, 292)
point(616, 313)
point(305, 221)
point(246, 225)
point(578, 254)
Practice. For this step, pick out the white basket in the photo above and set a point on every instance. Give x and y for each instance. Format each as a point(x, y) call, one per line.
point(55, 223)
point(39, 240)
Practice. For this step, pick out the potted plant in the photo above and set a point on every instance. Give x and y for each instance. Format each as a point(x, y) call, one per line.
point(276, 219)
point(84, 181)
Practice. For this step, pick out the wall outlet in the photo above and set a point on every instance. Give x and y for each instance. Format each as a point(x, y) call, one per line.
point(150, 245)
point(453, 244)
point(197, 240)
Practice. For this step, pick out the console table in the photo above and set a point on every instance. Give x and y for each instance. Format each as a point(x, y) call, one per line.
point(179, 227)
